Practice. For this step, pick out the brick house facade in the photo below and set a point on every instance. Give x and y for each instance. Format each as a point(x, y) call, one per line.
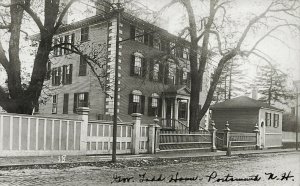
point(153, 72)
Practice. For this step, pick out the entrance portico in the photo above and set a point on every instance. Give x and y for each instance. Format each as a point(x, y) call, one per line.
point(175, 104)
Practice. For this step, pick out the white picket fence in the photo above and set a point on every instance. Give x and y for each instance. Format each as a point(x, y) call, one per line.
point(23, 135)
point(27, 135)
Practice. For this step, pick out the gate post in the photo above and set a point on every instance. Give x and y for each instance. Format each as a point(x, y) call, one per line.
point(256, 130)
point(226, 136)
point(157, 134)
point(136, 117)
point(213, 132)
point(84, 115)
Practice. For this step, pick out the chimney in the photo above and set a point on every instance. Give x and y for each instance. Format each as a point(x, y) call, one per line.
point(254, 92)
point(102, 6)
point(64, 21)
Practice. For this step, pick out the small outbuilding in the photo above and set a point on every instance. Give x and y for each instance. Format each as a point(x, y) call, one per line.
point(243, 113)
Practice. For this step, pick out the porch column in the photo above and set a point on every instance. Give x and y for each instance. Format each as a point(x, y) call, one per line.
point(226, 136)
point(175, 117)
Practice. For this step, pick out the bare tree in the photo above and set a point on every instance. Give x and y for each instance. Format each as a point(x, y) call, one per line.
point(216, 37)
point(18, 99)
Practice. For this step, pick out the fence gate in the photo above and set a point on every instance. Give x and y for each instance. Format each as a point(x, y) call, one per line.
point(100, 137)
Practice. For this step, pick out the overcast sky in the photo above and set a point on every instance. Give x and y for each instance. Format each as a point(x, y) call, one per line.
point(174, 21)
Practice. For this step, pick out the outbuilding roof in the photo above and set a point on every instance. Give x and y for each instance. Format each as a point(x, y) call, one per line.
point(242, 102)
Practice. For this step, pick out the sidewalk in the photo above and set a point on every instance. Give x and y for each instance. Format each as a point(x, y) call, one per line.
point(48, 160)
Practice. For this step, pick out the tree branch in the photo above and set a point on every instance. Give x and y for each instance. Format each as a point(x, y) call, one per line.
point(33, 15)
point(63, 13)
point(5, 26)
point(3, 60)
point(251, 22)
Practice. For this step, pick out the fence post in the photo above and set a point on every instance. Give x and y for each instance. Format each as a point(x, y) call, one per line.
point(213, 132)
point(136, 117)
point(151, 139)
point(84, 116)
point(157, 134)
point(256, 130)
point(226, 136)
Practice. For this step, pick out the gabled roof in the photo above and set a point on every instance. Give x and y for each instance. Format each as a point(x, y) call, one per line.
point(242, 102)
point(177, 90)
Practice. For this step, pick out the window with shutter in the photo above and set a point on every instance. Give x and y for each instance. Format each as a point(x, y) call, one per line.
point(67, 45)
point(81, 100)
point(54, 104)
point(72, 42)
point(132, 32)
point(138, 66)
point(146, 38)
point(55, 50)
point(156, 42)
point(48, 73)
point(56, 73)
point(151, 40)
point(84, 34)
point(136, 102)
point(82, 66)
point(66, 104)
point(139, 35)
point(60, 50)
point(144, 67)
point(153, 105)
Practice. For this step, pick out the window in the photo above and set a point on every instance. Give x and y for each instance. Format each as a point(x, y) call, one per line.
point(172, 48)
point(182, 109)
point(67, 45)
point(80, 100)
point(54, 104)
point(136, 102)
point(156, 42)
point(72, 42)
point(184, 77)
point(179, 52)
point(60, 50)
point(55, 50)
point(139, 35)
point(293, 111)
point(56, 74)
point(172, 73)
point(138, 65)
point(185, 54)
point(48, 73)
point(276, 120)
point(67, 74)
point(82, 66)
point(66, 104)
point(156, 72)
point(268, 119)
point(154, 105)
point(84, 34)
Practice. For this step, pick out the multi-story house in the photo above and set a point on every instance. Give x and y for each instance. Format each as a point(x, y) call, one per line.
point(154, 77)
